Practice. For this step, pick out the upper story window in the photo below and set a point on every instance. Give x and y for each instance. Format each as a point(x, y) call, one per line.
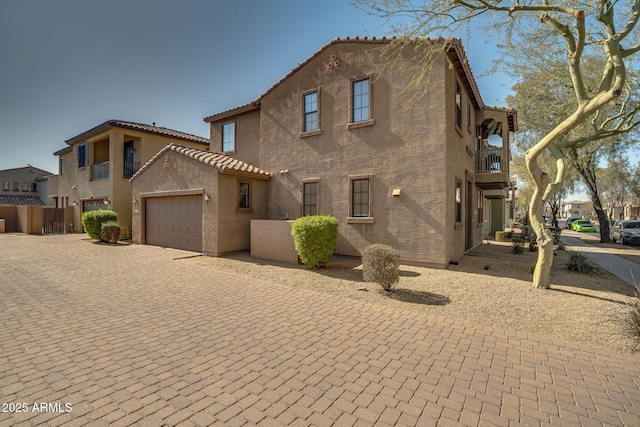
point(458, 105)
point(469, 118)
point(361, 100)
point(83, 155)
point(16, 186)
point(25, 186)
point(311, 119)
point(229, 137)
point(34, 187)
point(5, 185)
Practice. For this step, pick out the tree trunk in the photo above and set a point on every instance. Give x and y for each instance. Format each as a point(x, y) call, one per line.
point(541, 275)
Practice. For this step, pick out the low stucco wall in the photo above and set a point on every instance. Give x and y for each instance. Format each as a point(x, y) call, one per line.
point(272, 240)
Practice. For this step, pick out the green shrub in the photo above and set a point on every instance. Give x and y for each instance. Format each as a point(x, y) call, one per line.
point(92, 221)
point(110, 231)
point(381, 264)
point(315, 239)
point(581, 263)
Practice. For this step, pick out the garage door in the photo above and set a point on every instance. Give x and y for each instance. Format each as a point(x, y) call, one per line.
point(174, 222)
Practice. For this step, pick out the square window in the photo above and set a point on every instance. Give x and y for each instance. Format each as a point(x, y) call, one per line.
point(311, 112)
point(310, 198)
point(229, 137)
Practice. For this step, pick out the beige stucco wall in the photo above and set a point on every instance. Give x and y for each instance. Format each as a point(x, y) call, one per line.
point(272, 240)
point(413, 145)
point(247, 136)
point(234, 228)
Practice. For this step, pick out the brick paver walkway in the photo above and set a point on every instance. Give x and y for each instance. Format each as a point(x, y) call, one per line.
point(127, 335)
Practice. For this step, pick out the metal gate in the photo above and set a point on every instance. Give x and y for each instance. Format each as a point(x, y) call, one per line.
point(53, 220)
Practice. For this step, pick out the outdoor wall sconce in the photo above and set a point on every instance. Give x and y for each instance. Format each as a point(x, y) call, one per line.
point(396, 192)
point(106, 201)
point(75, 203)
point(135, 201)
point(206, 198)
point(284, 171)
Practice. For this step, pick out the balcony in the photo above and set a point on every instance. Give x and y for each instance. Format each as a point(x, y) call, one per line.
point(492, 173)
point(99, 171)
point(130, 168)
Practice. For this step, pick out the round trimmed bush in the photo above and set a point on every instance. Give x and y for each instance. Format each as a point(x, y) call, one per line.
point(381, 264)
point(92, 221)
point(315, 238)
point(110, 231)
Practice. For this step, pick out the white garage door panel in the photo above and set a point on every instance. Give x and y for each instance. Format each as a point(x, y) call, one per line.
point(174, 222)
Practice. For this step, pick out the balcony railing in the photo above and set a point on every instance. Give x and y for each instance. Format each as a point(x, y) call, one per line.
point(489, 160)
point(130, 168)
point(99, 171)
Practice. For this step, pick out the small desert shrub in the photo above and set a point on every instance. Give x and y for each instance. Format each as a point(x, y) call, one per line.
point(581, 263)
point(92, 221)
point(315, 238)
point(487, 267)
point(110, 231)
point(381, 264)
point(517, 246)
point(561, 246)
point(629, 321)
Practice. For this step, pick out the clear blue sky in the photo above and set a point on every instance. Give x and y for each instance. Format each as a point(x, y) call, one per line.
point(69, 65)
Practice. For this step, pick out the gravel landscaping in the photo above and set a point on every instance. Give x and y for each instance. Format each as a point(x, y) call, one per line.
point(490, 286)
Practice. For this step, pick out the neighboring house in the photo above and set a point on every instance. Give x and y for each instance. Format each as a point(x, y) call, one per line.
point(96, 166)
point(576, 208)
point(341, 134)
point(24, 186)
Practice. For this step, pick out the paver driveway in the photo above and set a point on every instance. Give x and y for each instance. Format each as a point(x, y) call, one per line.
point(127, 335)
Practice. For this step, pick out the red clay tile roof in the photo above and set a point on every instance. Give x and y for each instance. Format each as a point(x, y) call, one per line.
point(139, 127)
point(222, 162)
point(454, 46)
point(11, 199)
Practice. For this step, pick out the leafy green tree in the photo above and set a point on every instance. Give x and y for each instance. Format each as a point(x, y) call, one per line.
point(572, 33)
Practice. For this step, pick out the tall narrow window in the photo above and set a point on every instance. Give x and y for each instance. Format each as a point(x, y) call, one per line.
point(25, 186)
point(469, 117)
point(458, 201)
point(83, 155)
point(310, 198)
point(458, 105)
point(480, 207)
point(360, 197)
point(5, 186)
point(34, 187)
point(311, 112)
point(244, 196)
point(16, 186)
point(361, 101)
point(228, 137)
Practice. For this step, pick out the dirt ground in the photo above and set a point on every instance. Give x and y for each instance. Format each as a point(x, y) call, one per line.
point(491, 286)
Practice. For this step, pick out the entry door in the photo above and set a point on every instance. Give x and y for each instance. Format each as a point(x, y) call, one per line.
point(497, 215)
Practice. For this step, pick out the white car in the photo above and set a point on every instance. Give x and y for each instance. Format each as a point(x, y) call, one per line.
point(626, 232)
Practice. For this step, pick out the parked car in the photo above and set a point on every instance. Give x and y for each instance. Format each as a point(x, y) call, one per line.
point(626, 232)
point(568, 221)
point(583, 225)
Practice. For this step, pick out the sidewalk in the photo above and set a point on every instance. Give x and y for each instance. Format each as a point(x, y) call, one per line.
point(626, 270)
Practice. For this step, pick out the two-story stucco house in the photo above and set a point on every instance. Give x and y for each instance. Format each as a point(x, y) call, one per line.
point(95, 167)
point(344, 134)
point(24, 186)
